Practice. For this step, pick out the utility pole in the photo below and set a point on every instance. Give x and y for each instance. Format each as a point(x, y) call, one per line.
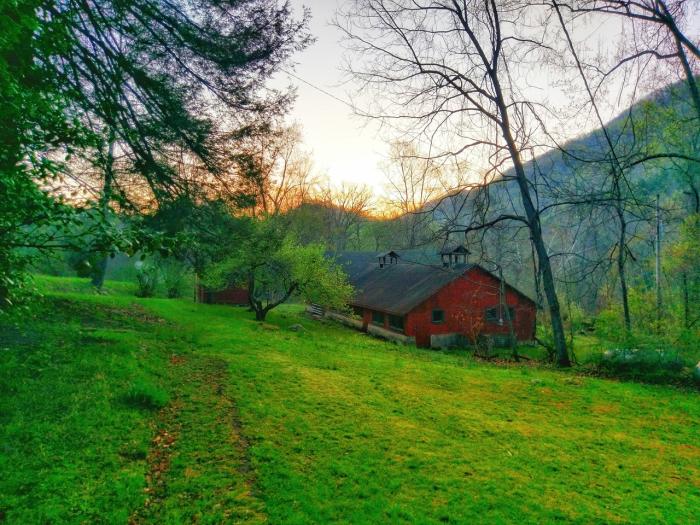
point(505, 310)
point(658, 263)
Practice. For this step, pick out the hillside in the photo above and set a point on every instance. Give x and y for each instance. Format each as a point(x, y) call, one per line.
point(571, 187)
point(117, 410)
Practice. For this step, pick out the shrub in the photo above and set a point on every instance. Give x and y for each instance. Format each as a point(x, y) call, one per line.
point(648, 365)
point(146, 278)
point(175, 277)
point(84, 263)
point(575, 318)
point(15, 283)
point(145, 396)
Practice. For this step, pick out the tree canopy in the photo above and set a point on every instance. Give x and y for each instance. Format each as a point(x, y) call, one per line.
point(145, 78)
point(274, 266)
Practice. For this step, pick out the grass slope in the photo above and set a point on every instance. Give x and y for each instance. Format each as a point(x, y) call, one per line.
point(155, 411)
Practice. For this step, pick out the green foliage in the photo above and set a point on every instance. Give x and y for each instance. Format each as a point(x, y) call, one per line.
point(84, 263)
point(274, 266)
point(203, 232)
point(609, 326)
point(29, 219)
point(319, 280)
point(575, 318)
point(14, 282)
point(147, 277)
point(146, 396)
point(147, 73)
point(685, 253)
point(321, 426)
point(647, 331)
point(175, 276)
point(58, 60)
point(652, 366)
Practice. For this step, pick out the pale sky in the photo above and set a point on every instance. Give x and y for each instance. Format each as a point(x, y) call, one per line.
point(345, 147)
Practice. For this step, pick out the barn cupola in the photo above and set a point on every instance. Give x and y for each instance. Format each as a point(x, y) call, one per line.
point(454, 255)
point(388, 258)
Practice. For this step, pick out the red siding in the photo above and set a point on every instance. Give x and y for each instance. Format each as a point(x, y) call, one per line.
point(233, 296)
point(464, 302)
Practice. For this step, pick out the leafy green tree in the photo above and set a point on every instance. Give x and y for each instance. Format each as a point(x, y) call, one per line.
point(274, 266)
point(153, 74)
point(137, 78)
point(203, 232)
point(684, 262)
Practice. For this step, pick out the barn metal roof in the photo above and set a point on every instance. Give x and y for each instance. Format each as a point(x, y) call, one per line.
point(397, 288)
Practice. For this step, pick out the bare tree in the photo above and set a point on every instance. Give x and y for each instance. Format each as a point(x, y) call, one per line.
point(273, 171)
point(293, 178)
point(659, 33)
point(624, 149)
point(413, 182)
point(446, 66)
point(345, 209)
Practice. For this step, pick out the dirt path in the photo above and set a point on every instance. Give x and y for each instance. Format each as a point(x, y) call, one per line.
point(199, 469)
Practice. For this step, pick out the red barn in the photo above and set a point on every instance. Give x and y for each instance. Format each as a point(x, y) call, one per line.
point(232, 295)
point(435, 305)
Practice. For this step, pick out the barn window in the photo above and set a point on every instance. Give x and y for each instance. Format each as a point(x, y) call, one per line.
point(378, 318)
point(438, 316)
point(497, 314)
point(396, 322)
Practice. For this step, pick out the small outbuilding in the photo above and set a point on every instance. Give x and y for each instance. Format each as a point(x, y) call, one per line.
point(232, 295)
point(451, 302)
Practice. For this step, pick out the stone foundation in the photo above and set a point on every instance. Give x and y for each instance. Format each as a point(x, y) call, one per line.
point(448, 341)
point(389, 335)
point(346, 320)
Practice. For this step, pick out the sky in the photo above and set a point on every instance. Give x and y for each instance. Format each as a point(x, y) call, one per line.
point(346, 148)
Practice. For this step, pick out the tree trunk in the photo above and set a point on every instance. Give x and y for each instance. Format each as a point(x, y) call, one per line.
point(695, 195)
point(550, 292)
point(689, 76)
point(4, 294)
point(98, 275)
point(504, 305)
point(535, 227)
point(621, 246)
point(686, 301)
point(255, 306)
point(658, 265)
point(617, 173)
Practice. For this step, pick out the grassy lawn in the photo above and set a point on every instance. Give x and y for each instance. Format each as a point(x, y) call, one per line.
point(116, 410)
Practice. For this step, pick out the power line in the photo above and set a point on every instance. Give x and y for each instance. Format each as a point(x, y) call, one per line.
point(321, 90)
point(351, 105)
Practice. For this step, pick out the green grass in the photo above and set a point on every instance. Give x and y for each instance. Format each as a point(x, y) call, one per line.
point(159, 411)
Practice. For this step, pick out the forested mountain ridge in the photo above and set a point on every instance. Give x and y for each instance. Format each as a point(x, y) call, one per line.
point(653, 141)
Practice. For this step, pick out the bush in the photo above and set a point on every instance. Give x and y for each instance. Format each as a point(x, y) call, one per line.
point(575, 318)
point(15, 283)
point(84, 263)
point(147, 279)
point(145, 396)
point(656, 366)
point(175, 277)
